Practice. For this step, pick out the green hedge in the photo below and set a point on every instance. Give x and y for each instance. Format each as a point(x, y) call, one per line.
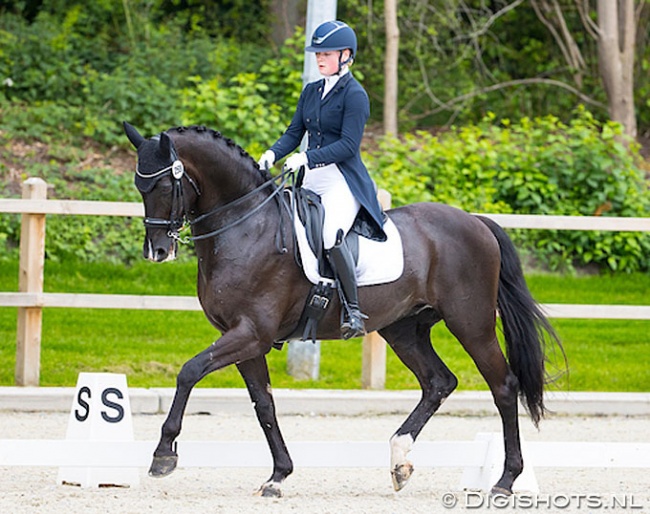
point(539, 166)
point(72, 76)
point(60, 83)
point(536, 166)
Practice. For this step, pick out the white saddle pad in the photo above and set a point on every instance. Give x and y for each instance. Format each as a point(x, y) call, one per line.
point(379, 263)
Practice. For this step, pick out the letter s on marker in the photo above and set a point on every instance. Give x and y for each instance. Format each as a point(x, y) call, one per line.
point(81, 417)
point(112, 405)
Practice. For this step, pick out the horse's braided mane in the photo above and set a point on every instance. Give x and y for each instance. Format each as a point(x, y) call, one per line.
point(229, 142)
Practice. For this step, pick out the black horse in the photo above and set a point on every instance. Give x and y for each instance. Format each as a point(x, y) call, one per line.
point(458, 268)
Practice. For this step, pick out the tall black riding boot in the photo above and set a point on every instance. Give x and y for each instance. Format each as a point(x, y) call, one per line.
point(342, 262)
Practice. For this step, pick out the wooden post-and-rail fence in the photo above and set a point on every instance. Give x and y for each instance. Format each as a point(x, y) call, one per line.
point(30, 300)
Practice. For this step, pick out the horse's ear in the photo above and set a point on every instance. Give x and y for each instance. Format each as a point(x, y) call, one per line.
point(134, 136)
point(165, 144)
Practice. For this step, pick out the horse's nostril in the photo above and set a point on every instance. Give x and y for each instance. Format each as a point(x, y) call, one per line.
point(161, 254)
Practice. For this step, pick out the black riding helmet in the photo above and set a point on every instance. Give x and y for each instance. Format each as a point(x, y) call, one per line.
point(334, 35)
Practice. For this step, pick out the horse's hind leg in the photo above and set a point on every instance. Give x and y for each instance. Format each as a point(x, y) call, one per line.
point(256, 375)
point(480, 341)
point(411, 340)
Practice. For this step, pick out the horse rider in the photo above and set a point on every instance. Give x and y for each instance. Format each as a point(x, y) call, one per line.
point(333, 112)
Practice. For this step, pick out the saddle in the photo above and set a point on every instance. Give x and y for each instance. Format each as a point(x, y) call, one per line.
point(379, 260)
point(311, 214)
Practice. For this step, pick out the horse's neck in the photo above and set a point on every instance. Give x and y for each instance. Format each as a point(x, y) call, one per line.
point(224, 177)
point(249, 243)
point(222, 180)
point(234, 193)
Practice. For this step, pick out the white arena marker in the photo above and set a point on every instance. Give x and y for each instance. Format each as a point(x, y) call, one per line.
point(101, 412)
point(484, 477)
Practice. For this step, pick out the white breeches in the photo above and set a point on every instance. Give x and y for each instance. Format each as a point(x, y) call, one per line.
point(341, 207)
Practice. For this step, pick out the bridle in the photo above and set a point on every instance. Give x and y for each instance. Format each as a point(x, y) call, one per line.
point(178, 218)
point(176, 170)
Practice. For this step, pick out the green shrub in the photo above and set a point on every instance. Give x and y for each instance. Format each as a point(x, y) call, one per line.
point(238, 109)
point(449, 170)
point(88, 238)
point(252, 108)
point(539, 166)
point(61, 80)
point(127, 94)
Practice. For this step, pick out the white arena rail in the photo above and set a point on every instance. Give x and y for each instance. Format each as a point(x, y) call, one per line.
point(363, 454)
point(481, 459)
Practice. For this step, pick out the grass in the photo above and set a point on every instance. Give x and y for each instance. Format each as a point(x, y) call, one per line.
point(151, 346)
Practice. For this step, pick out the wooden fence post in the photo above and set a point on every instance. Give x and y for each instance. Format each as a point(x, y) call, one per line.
point(373, 358)
point(30, 280)
point(373, 362)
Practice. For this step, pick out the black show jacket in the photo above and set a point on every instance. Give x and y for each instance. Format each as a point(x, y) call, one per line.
point(335, 127)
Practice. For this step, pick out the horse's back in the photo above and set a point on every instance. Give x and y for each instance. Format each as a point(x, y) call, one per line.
point(448, 230)
point(450, 253)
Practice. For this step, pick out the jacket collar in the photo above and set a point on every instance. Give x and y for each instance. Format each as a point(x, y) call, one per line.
point(340, 84)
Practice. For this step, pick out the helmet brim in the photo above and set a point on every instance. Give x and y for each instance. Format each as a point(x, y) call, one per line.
point(312, 48)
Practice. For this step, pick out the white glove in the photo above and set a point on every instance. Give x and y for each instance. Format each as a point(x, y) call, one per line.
point(267, 160)
point(296, 160)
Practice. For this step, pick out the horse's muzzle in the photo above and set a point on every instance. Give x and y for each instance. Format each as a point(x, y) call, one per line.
point(159, 252)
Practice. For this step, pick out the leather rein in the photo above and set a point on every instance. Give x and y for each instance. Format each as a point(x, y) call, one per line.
point(178, 219)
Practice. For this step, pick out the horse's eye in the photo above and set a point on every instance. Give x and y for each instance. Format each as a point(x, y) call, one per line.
point(164, 186)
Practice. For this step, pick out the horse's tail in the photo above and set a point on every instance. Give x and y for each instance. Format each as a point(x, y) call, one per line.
point(525, 327)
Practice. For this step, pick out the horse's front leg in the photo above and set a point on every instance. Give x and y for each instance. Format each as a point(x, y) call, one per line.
point(256, 375)
point(238, 344)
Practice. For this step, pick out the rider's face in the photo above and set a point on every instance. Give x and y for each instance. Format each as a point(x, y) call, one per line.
point(328, 62)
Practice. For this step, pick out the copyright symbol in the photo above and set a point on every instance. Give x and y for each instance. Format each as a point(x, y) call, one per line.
point(449, 500)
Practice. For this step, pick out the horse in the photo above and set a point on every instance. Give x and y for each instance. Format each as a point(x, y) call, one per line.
point(458, 268)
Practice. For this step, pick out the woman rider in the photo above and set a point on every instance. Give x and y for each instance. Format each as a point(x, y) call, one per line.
point(333, 112)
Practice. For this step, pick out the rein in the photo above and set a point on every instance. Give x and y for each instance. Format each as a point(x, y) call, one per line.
point(178, 218)
point(285, 177)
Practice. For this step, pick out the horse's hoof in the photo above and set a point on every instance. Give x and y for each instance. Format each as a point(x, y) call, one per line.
point(401, 475)
point(500, 491)
point(269, 490)
point(163, 466)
